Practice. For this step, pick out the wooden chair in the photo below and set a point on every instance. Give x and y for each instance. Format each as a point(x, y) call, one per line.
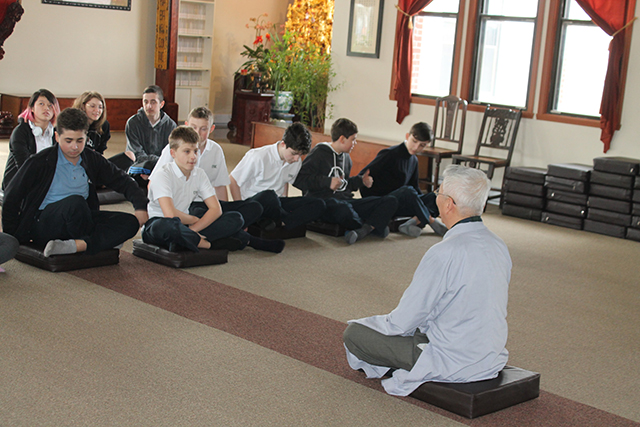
point(498, 132)
point(448, 129)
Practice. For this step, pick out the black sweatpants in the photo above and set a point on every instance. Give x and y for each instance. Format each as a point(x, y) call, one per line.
point(71, 218)
point(352, 214)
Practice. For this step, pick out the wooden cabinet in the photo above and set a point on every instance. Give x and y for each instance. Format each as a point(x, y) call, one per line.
point(249, 107)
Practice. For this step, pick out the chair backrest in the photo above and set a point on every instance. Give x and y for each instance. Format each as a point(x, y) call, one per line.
point(499, 130)
point(449, 120)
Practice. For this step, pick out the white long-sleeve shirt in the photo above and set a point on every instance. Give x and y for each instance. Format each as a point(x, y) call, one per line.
point(458, 298)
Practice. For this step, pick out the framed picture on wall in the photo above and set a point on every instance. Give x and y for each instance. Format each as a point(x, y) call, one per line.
point(365, 28)
point(101, 4)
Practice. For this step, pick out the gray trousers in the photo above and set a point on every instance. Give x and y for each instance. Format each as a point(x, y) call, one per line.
point(395, 352)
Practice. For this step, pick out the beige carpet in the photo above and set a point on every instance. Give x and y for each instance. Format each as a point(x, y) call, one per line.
point(74, 353)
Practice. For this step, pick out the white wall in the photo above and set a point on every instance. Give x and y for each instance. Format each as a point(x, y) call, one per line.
point(69, 49)
point(364, 98)
point(230, 34)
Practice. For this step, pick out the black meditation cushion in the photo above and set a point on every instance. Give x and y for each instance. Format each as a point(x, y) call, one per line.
point(33, 255)
point(278, 232)
point(334, 230)
point(180, 259)
point(511, 386)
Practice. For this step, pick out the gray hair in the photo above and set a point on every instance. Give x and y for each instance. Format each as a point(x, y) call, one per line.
point(468, 187)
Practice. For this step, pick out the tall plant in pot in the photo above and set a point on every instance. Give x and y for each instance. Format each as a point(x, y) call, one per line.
point(306, 71)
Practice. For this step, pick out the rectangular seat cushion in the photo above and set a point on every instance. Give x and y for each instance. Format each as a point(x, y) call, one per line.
point(566, 197)
point(512, 386)
point(567, 184)
point(633, 234)
point(620, 206)
point(612, 179)
point(33, 255)
point(562, 220)
point(521, 212)
point(521, 187)
point(527, 174)
point(570, 171)
point(568, 209)
point(611, 192)
point(620, 165)
point(278, 232)
point(334, 230)
point(609, 217)
point(523, 200)
point(107, 196)
point(612, 230)
point(179, 259)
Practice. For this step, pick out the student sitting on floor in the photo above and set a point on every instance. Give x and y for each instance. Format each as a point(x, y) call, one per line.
point(325, 174)
point(395, 172)
point(171, 192)
point(34, 132)
point(147, 134)
point(211, 160)
point(52, 200)
point(450, 325)
point(264, 174)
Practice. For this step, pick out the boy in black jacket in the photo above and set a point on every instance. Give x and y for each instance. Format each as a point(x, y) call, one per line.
point(395, 170)
point(52, 200)
point(325, 174)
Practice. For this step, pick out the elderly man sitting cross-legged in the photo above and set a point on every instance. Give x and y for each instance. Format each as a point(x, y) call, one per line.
point(450, 325)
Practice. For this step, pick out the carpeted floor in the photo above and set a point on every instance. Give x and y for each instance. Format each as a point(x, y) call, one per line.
point(256, 341)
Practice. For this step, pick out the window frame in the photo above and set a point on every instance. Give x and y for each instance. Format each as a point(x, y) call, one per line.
point(542, 62)
point(455, 74)
point(549, 70)
point(455, 65)
point(470, 59)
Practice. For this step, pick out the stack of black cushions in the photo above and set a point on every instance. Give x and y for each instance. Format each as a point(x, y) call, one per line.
point(567, 185)
point(633, 232)
point(610, 195)
point(523, 192)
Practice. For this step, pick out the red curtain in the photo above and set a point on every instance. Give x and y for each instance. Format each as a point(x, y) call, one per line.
point(404, 54)
point(611, 16)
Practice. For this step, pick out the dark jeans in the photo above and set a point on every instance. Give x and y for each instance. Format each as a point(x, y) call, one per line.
point(352, 214)
point(250, 210)
point(71, 218)
point(172, 234)
point(410, 203)
point(291, 211)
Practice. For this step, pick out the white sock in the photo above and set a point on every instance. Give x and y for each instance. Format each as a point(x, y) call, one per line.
point(60, 247)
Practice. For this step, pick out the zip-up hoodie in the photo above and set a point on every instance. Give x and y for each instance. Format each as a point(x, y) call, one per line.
point(322, 164)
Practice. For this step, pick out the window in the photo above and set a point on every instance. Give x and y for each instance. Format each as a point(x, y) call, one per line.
point(434, 40)
point(490, 52)
point(581, 54)
point(504, 50)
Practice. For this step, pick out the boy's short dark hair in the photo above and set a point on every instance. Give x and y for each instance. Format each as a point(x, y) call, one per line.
point(183, 134)
point(155, 89)
point(72, 119)
point(422, 132)
point(343, 127)
point(202, 113)
point(298, 138)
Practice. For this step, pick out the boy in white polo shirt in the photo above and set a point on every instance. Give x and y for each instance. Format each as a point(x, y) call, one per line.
point(211, 160)
point(171, 192)
point(264, 175)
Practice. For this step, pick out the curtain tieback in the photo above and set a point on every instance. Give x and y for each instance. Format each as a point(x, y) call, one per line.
point(410, 25)
point(625, 26)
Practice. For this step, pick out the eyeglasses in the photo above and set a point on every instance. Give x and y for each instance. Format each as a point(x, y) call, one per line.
point(438, 193)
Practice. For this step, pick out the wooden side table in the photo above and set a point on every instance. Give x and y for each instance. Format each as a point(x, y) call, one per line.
point(249, 107)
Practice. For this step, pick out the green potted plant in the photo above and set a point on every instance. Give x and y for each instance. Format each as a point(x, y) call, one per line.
point(304, 70)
